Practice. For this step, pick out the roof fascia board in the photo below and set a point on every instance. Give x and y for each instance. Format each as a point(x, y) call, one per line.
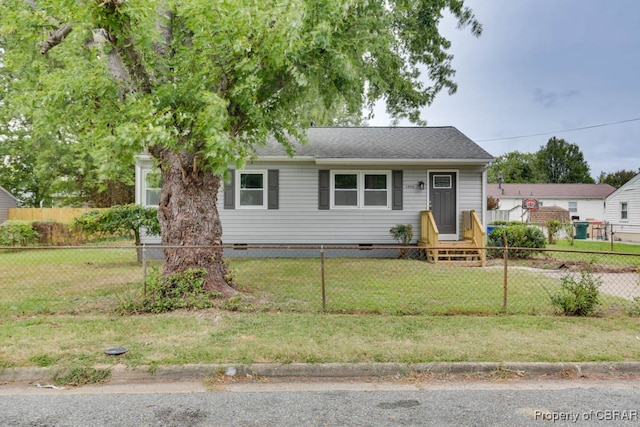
point(369, 161)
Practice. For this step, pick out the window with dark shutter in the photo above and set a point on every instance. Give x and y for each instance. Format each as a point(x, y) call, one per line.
point(273, 195)
point(324, 189)
point(229, 191)
point(396, 195)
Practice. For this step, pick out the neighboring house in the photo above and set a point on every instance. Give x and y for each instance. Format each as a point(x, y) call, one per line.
point(585, 202)
point(348, 186)
point(7, 201)
point(623, 211)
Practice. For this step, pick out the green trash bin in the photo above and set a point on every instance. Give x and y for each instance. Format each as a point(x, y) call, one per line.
point(581, 229)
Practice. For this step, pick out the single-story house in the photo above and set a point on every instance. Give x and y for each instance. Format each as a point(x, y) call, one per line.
point(585, 202)
point(623, 211)
point(349, 186)
point(7, 201)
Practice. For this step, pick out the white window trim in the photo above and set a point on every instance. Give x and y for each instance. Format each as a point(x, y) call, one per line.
point(145, 188)
point(265, 186)
point(360, 188)
point(626, 211)
point(569, 206)
point(436, 175)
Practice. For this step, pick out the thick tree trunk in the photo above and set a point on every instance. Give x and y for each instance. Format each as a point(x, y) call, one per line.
point(188, 215)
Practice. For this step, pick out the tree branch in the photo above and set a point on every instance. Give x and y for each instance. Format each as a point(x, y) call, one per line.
point(55, 38)
point(125, 46)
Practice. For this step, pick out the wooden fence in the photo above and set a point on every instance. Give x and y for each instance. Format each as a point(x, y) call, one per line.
point(63, 215)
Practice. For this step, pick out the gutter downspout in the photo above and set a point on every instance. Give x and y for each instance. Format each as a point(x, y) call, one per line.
point(484, 199)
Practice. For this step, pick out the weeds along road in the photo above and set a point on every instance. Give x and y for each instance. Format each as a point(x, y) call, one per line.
point(336, 403)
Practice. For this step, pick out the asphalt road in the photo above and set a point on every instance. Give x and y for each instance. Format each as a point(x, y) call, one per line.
point(335, 403)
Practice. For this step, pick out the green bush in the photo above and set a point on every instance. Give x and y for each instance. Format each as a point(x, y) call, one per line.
point(403, 233)
point(632, 308)
point(578, 297)
point(553, 226)
point(88, 224)
point(180, 291)
point(17, 233)
point(518, 235)
point(122, 221)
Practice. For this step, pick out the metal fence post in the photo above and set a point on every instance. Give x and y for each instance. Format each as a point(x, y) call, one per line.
point(324, 294)
point(144, 269)
point(505, 255)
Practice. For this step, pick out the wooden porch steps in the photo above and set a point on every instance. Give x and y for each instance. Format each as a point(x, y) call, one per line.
point(467, 252)
point(462, 253)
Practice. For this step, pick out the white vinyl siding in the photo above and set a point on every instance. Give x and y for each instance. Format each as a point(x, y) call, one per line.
point(626, 229)
point(586, 209)
point(299, 221)
point(470, 196)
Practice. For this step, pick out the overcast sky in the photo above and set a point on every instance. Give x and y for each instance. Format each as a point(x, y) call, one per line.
point(546, 66)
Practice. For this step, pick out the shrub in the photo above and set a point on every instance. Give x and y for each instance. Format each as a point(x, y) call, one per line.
point(403, 233)
point(17, 233)
point(88, 225)
point(578, 297)
point(519, 235)
point(632, 308)
point(553, 226)
point(119, 221)
point(180, 291)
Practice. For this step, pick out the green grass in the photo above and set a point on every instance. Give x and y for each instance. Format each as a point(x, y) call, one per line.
point(211, 336)
point(101, 280)
point(394, 287)
point(585, 246)
point(66, 280)
point(58, 309)
point(595, 245)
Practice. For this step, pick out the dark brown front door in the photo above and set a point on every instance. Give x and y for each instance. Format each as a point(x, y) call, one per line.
point(442, 199)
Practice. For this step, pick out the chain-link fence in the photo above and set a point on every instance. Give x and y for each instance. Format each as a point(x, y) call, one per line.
point(349, 279)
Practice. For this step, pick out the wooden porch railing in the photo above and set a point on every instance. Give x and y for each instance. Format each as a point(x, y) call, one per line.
point(429, 234)
point(474, 232)
point(468, 251)
point(428, 229)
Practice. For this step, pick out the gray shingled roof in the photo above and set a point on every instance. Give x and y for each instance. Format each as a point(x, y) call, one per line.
point(426, 143)
point(599, 191)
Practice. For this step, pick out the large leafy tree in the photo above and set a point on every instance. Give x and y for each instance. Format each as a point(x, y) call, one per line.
point(617, 179)
point(45, 166)
point(514, 167)
point(54, 170)
point(200, 84)
point(562, 162)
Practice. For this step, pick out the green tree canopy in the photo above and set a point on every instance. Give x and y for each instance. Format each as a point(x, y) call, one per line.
point(561, 162)
point(45, 166)
point(514, 167)
point(200, 84)
point(617, 179)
